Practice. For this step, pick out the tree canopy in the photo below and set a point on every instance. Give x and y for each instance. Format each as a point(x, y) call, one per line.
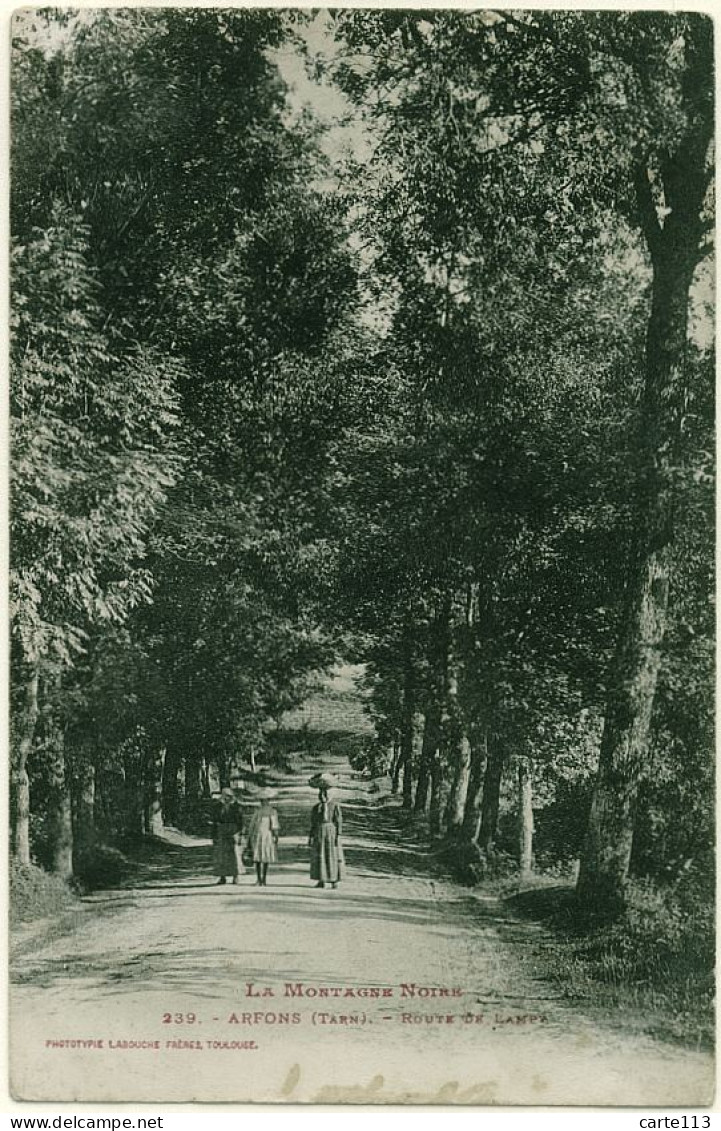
point(441, 406)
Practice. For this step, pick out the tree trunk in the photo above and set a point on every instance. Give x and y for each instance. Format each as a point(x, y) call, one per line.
point(408, 710)
point(459, 788)
point(674, 250)
point(21, 816)
point(193, 791)
point(20, 795)
point(396, 767)
point(423, 783)
point(205, 778)
point(171, 787)
point(438, 648)
point(60, 815)
point(408, 778)
point(624, 746)
point(84, 805)
point(133, 818)
point(457, 745)
point(491, 796)
point(429, 750)
point(525, 818)
point(224, 770)
point(153, 774)
point(435, 814)
point(103, 817)
point(471, 827)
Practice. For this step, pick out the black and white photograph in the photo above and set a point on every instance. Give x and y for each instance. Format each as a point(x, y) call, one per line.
point(361, 542)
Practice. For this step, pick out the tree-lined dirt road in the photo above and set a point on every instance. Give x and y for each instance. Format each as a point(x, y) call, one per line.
point(399, 986)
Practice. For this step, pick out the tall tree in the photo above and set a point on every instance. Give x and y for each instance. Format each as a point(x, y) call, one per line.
point(498, 122)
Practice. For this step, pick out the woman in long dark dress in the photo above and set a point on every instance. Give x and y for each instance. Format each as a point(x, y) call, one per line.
point(326, 850)
point(227, 830)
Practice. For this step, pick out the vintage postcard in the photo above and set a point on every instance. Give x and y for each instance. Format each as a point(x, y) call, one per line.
point(362, 571)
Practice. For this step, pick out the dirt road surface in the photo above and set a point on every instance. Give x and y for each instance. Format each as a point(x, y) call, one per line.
point(397, 987)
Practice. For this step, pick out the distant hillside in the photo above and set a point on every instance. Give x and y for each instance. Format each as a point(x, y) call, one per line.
point(337, 706)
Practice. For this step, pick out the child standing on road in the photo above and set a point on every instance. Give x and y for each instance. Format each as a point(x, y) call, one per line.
point(263, 836)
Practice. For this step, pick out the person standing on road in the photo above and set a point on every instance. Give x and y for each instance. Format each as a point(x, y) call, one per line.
point(324, 841)
point(263, 836)
point(227, 832)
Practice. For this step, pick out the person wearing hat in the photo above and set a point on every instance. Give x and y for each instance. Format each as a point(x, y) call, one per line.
point(326, 826)
point(263, 836)
point(227, 832)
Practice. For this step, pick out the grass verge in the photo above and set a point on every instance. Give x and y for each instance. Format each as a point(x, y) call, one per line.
point(654, 968)
point(35, 894)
